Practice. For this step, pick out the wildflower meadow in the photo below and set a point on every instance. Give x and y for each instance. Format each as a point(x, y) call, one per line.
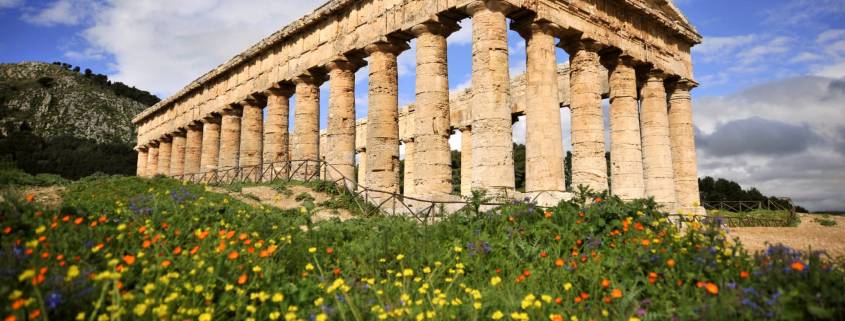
point(126, 248)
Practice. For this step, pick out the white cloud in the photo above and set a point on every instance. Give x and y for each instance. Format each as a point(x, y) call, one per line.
point(714, 48)
point(161, 47)
point(811, 172)
point(464, 35)
point(830, 35)
point(60, 12)
point(9, 3)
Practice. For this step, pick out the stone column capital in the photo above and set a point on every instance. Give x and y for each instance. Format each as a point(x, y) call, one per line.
point(309, 78)
point(345, 64)
point(684, 84)
point(436, 25)
point(489, 5)
point(211, 119)
point(153, 143)
point(179, 132)
point(389, 45)
point(530, 26)
point(617, 58)
point(256, 99)
point(573, 45)
point(654, 75)
point(285, 90)
point(194, 125)
point(141, 148)
point(232, 110)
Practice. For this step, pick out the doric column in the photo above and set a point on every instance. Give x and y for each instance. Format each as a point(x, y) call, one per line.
point(362, 167)
point(626, 156)
point(682, 135)
point(252, 122)
point(410, 164)
point(492, 146)
point(466, 161)
point(382, 117)
point(431, 153)
point(589, 166)
point(543, 139)
point(657, 150)
point(306, 125)
point(209, 161)
point(165, 146)
point(276, 131)
point(141, 165)
point(193, 149)
point(177, 154)
point(230, 138)
point(152, 159)
point(340, 134)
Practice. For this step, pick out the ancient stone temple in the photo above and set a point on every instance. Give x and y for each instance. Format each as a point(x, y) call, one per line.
point(636, 53)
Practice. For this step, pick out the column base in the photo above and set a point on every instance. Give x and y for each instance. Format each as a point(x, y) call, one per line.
point(545, 198)
point(689, 210)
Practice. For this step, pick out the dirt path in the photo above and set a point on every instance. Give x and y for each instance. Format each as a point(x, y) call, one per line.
point(809, 234)
point(267, 196)
point(49, 196)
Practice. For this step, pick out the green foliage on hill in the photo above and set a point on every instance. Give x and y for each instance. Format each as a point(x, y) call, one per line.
point(720, 190)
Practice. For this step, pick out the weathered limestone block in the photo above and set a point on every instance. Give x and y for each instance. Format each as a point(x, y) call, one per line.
point(491, 115)
point(306, 125)
point(410, 163)
point(466, 161)
point(141, 165)
point(543, 139)
point(382, 117)
point(230, 137)
point(152, 160)
point(340, 134)
point(276, 131)
point(210, 144)
point(252, 122)
point(430, 138)
point(193, 149)
point(177, 154)
point(626, 156)
point(657, 150)
point(588, 162)
point(165, 147)
point(682, 136)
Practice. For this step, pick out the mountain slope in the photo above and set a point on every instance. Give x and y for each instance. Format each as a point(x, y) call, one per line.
point(56, 101)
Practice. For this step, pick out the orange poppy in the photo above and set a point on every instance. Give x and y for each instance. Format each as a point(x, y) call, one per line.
point(744, 274)
point(670, 263)
point(177, 250)
point(166, 263)
point(605, 283)
point(711, 288)
point(797, 266)
point(202, 235)
point(329, 250)
point(559, 262)
point(616, 293)
point(242, 279)
point(234, 255)
point(129, 259)
point(544, 254)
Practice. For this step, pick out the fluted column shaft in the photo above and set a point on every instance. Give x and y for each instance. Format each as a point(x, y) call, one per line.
point(682, 135)
point(626, 156)
point(210, 144)
point(230, 137)
point(152, 160)
point(252, 121)
point(276, 131)
point(492, 149)
point(362, 167)
point(589, 166)
point(193, 149)
point(466, 161)
point(543, 139)
point(657, 151)
point(177, 154)
point(382, 119)
point(306, 125)
point(141, 165)
point(164, 149)
point(410, 172)
point(340, 134)
point(431, 154)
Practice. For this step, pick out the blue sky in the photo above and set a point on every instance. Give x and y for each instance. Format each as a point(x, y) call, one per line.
point(770, 71)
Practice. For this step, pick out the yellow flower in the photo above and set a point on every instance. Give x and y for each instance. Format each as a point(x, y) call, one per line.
point(604, 313)
point(278, 297)
point(495, 280)
point(309, 267)
point(140, 309)
point(72, 272)
point(400, 257)
point(497, 315)
point(426, 270)
point(312, 250)
point(40, 229)
point(458, 249)
point(408, 272)
point(26, 275)
point(634, 319)
point(275, 315)
point(80, 316)
point(321, 317)
point(15, 295)
point(567, 286)
point(205, 317)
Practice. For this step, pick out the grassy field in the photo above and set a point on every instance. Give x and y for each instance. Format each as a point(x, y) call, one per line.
point(137, 249)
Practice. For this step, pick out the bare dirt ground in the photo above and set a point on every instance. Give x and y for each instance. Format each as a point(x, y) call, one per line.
point(808, 235)
point(50, 196)
point(270, 197)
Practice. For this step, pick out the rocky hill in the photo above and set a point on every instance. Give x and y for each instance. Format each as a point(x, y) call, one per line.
point(54, 100)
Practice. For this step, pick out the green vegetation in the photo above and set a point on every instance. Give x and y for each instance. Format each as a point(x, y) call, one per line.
point(825, 221)
point(735, 219)
point(10, 175)
point(137, 249)
point(117, 87)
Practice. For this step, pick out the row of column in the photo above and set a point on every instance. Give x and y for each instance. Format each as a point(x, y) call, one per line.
point(652, 145)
